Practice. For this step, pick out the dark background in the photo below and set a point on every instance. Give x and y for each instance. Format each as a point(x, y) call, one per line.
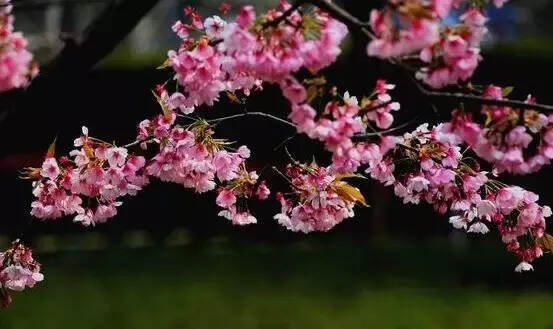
point(391, 266)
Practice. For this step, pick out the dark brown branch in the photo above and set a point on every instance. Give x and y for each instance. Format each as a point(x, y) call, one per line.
point(284, 15)
point(101, 37)
point(484, 100)
point(342, 15)
point(81, 54)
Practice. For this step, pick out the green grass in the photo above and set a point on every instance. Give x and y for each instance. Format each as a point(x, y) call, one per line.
point(311, 285)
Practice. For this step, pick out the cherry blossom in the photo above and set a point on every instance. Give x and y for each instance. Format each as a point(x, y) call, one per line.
point(17, 67)
point(18, 271)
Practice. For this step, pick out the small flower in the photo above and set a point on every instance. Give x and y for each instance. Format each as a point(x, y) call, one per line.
point(116, 156)
point(50, 169)
point(215, 27)
point(524, 267)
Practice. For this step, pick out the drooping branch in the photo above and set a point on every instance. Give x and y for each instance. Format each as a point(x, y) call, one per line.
point(353, 22)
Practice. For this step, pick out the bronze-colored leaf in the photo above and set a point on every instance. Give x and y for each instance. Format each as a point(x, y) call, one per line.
point(233, 98)
point(312, 93)
point(51, 149)
point(349, 193)
point(546, 242)
point(165, 64)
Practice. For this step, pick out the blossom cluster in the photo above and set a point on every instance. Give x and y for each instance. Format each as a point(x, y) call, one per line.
point(195, 159)
point(88, 184)
point(16, 62)
point(320, 199)
point(18, 271)
point(448, 54)
point(341, 119)
point(218, 56)
point(514, 140)
point(427, 166)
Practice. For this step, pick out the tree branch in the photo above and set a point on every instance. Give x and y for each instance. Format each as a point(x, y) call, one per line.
point(342, 15)
point(484, 100)
point(101, 37)
point(259, 114)
point(353, 22)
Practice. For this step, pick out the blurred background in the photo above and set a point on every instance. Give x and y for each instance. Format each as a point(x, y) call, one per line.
point(167, 260)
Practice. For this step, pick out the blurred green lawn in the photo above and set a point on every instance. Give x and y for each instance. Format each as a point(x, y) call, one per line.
point(315, 284)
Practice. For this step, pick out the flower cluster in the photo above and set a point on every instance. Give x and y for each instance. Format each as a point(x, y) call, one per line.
point(18, 271)
point(88, 184)
point(514, 140)
point(234, 197)
point(419, 29)
point(16, 62)
point(455, 56)
point(449, 54)
point(341, 119)
point(320, 200)
point(217, 56)
point(427, 166)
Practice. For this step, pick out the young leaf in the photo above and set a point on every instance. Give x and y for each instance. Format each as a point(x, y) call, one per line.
point(52, 149)
point(165, 64)
point(349, 193)
point(546, 242)
point(507, 91)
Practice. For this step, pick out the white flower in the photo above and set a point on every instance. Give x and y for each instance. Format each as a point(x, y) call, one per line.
point(458, 222)
point(524, 267)
point(214, 27)
point(417, 184)
point(546, 211)
point(478, 228)
point(84, 218)
point(485, 208)
point(350, 100)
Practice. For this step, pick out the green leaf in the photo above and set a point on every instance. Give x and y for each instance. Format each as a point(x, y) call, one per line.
point(507, 91)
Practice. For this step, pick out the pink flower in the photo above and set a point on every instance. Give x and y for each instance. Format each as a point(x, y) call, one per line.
point(262, 191)
point(246, 16)
point(50, 169)
point(215, 27)
point(116, 156)
point(226, 198)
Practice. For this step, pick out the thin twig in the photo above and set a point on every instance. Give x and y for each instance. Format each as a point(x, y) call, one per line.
point(342, 15)
point(260, 114)
point(284, 15)
point(284, 142)
point(275, 169)
point(387, 131)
